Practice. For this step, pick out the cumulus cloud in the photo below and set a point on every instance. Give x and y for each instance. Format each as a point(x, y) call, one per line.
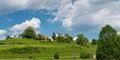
point(87, 15)
point(3, 32)
point(19, 28)
point(82, 15)
point(9, 6)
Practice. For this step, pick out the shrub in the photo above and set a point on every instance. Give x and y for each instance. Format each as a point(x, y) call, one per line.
point(23, 50)
point(56, 55)
point(1, 43)
point(44, 48)
point(84, 54)
point(30, 57)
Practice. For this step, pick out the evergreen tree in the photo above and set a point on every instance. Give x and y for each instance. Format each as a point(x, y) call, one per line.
point(54, 36)
point(106, 46)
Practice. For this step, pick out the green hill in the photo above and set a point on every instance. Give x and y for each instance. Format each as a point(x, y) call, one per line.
point(26, 49)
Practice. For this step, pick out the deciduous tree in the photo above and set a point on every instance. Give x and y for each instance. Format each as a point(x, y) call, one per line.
point(29, 32)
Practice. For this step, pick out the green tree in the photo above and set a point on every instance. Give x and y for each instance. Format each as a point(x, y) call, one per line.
point(60, 38)
point(67, 38)
point(54, 36)
point(29, 32)
point(64, 38)
point(107, 49)
point(117, 45)
point(8, 37)
point(81, 39)
point(94, 42)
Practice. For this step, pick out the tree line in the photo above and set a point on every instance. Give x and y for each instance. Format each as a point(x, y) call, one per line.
point(30, 33)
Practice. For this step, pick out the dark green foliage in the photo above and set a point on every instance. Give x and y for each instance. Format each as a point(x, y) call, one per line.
point(29, 32)
point(64, 38)
point(107, 31)
point(81, 39)
point(67, 38)
point(56, 55)
point(84, 54)
point(108, 44)
point(30, 57)
point(8, 37)
point(60, 38)
point(24, 50)
point(94, 42)
point(53, 36)
point(2, 43)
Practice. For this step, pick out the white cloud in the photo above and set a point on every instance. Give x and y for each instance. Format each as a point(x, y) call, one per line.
point(9, 6)
point(3, 32)
point(86, 15)
point(75, 38)
point(19, 28)
point(83, 15)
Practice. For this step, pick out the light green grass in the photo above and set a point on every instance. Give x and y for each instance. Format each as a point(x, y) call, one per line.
point(67, 51)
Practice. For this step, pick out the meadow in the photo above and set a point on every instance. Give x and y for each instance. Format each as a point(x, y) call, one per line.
point(67, 51)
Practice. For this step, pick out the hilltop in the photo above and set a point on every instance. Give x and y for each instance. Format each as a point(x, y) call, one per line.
point(45, 50)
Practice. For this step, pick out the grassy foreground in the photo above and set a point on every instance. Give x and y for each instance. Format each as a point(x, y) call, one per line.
point(67, 51)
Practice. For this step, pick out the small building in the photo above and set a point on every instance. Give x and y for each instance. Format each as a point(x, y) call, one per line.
point(44, 37)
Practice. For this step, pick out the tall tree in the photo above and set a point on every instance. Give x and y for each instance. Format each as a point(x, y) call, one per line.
point(29, 32)
point(54, 36)
point(106, 45)
point(81, 39)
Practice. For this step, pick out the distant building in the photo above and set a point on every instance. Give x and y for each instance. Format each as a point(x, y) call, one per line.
point(44, 37)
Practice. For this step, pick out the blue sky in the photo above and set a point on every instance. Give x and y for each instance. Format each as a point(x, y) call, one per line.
point(61, 16)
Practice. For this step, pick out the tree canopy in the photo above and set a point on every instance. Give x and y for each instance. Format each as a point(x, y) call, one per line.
point(29, 32)
point(107, 48)
point(81, 39)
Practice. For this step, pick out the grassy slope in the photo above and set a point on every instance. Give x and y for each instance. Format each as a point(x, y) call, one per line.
point(65, 50)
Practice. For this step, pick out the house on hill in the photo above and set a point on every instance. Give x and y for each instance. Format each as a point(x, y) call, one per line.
point(43, 37)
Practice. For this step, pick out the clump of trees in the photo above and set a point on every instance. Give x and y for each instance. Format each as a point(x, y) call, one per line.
point(81, 39)
point(62, 37)
point(108, 45)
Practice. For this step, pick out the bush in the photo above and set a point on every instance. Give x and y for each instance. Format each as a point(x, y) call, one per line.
point(1, 43)
point(56, 55)
point(84, 54)
point(30, 57)
point(23, 50)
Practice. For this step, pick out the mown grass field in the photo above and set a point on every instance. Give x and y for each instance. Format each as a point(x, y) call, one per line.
point(67, 51)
